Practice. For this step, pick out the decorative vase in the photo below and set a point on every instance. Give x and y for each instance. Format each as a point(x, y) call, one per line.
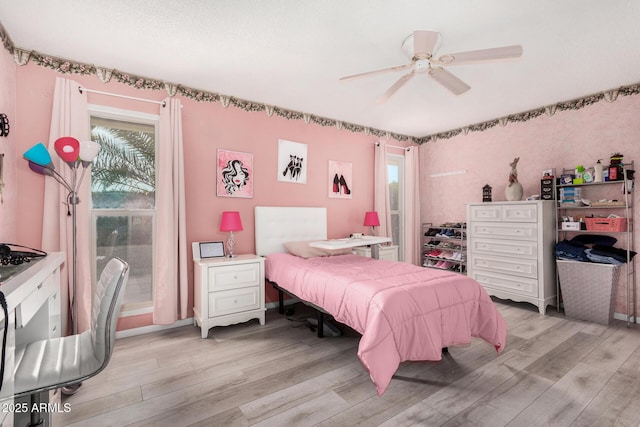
point(513, 192)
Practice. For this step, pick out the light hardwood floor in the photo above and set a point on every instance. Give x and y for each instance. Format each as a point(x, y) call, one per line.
point(554, 371)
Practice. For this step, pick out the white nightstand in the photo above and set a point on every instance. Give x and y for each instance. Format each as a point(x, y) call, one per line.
point(388, 253)
point(227, 290)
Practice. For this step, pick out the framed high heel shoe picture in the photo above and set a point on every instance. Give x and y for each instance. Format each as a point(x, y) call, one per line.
point(340, 179)
point(292, 162)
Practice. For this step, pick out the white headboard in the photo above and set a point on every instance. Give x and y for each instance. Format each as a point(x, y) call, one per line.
point(277, 225)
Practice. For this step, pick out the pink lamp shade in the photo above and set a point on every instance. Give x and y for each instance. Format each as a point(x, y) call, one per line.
point(230, 221)
point(68, 148)
point(371, 219)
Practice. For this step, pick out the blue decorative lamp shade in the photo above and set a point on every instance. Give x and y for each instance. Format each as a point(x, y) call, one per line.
point(39, 155)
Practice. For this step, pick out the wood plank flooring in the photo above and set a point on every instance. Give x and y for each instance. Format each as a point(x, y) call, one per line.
point(554, 372)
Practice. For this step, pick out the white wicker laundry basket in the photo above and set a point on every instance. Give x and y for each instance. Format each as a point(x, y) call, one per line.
point(588, 289)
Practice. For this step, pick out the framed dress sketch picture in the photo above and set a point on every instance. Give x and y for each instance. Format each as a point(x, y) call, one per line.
point(234, 174)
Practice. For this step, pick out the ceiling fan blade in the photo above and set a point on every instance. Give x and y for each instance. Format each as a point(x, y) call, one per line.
point(425, 41)
point(448, 80)
point(397, 85)
point(491, 54)
point(384, 70)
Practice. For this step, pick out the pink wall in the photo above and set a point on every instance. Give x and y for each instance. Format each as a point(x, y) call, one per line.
point(207, 127)
point(564, 140)
point(8, 211)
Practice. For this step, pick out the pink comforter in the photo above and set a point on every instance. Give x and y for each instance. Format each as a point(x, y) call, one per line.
point(404, 312)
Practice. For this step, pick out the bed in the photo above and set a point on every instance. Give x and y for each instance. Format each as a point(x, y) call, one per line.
point(404, 312)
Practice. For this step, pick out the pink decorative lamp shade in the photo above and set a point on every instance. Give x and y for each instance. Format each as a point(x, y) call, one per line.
point(231, 222)
point(371, 219)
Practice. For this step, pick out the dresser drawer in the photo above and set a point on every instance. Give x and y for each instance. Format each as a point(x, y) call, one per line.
point(511, 248)
point(504, 230)
point(520, 213)
point(233, 276)
point(513, 284)
point(486, 212)
point(518, 266)
point(508, 212)
point(234, 301)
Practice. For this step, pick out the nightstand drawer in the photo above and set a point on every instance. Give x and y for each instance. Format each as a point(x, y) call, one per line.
point(234, 301)
point(233, 276)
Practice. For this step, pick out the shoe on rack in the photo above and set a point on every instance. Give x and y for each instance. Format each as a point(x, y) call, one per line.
point(445, 265)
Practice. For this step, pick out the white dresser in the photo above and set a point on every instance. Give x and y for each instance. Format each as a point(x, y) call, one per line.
point(510, 250)
point(227, 290)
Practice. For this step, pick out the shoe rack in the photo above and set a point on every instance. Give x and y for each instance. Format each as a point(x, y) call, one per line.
point(445, 246)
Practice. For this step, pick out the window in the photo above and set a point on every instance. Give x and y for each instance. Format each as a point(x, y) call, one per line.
point(123, 181)
point(395, 172)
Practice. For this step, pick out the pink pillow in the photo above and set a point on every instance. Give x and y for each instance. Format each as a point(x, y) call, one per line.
point(303, 250)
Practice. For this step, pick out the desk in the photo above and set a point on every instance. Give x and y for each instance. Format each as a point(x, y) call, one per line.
point(33, 302)
point(372, 241)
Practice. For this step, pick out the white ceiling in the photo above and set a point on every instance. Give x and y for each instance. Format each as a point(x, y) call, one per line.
point(291, 53)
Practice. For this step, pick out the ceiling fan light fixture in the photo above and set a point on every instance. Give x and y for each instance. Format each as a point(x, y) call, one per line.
point(422, 66)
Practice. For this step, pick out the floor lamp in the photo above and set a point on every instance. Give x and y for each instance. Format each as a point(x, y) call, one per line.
point(75, 154)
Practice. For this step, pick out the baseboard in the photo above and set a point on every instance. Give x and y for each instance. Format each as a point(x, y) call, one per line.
point(153, 328)
point(184, 322)
point(622, 316)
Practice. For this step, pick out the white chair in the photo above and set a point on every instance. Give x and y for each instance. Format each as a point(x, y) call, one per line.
point(53, 363)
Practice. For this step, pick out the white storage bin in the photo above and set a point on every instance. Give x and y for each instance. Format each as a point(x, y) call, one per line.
point(588, 289)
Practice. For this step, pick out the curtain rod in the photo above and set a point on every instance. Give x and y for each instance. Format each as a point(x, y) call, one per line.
point(163, 103)
point(395, 146)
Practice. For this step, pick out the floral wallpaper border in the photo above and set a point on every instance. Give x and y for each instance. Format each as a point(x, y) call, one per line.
point(22, 57)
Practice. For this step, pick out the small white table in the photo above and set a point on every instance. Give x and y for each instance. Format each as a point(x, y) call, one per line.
point(349, 242)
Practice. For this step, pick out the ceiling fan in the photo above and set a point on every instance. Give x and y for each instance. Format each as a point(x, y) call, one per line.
point(423, 61)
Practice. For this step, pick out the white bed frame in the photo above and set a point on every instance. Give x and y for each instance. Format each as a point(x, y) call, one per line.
point(276, 225)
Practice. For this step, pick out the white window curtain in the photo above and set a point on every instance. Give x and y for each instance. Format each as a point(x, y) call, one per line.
point(171, 285)
point(381, 202)
point(69, 117)
point(412, 206)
